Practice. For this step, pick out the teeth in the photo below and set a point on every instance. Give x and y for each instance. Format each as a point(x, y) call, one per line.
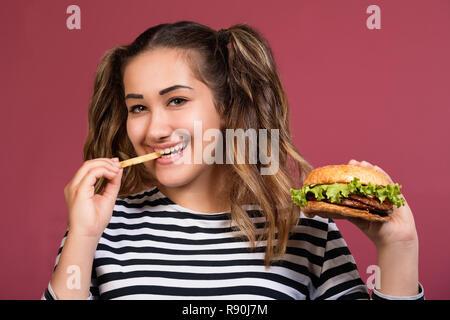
point(171, 155)
point(168, 152)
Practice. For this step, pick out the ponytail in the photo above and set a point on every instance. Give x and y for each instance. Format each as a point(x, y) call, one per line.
point(257, 100)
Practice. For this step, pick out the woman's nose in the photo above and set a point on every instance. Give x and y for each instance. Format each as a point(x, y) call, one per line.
point(159, 127)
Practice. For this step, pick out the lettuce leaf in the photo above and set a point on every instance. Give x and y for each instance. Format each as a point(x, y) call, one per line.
point(334, 192)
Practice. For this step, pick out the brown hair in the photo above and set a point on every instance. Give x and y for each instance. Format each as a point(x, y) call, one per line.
point(247, 93)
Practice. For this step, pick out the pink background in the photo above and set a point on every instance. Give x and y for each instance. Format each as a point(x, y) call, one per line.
point(377, 95)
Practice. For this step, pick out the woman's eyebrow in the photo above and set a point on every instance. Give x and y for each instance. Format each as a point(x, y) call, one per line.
point(162, 92)
point(178, 86)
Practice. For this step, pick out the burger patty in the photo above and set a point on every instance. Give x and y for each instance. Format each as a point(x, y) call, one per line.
point(373, 202)
point(354, 201)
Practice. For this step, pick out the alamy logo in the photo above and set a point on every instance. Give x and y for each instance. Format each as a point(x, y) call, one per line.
point(74, 279)
point(74, 20)
point(374, 20)
point(374, 280)
point(235, 147)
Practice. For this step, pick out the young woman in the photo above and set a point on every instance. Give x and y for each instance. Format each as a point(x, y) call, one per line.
point(175, 228)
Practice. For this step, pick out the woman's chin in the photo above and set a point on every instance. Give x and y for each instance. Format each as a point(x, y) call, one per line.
point(172, 178)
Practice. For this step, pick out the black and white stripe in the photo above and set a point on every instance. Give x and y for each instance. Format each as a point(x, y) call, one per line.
point(156, 249)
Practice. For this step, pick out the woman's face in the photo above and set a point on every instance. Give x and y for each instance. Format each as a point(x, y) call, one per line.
point(158, 110)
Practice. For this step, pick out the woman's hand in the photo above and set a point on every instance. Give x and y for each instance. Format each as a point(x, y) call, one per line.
point(397, 246)
point(400, 228)
point(90, 213)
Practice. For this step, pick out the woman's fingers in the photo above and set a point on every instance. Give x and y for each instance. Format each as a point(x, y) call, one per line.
point(113, 186)
point(87, 183)
point(89, 164)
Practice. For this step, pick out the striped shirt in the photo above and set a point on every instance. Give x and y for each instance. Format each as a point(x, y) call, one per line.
point(156, 249)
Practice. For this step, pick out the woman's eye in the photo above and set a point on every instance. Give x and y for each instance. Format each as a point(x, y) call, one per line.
point(178, 101)
point(137, 109)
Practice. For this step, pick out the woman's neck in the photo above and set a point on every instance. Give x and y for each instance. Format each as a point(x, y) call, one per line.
point(207, 193)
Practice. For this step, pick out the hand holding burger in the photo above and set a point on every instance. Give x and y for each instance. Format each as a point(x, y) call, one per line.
point(389, 225)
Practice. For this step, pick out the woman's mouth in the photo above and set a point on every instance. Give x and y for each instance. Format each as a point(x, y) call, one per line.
point(171, 155)
point(173, 151)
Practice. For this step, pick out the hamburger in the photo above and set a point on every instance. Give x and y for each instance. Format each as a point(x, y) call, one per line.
point(343, 191)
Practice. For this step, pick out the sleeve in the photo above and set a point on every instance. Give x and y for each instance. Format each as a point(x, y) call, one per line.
point(380, 296)
point(49, 293)
point(339, 278)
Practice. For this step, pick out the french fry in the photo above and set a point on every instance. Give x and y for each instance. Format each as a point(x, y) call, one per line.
point(137, 160)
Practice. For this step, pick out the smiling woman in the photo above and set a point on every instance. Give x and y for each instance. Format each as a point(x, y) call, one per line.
point(173, 75)
point(210, 230)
